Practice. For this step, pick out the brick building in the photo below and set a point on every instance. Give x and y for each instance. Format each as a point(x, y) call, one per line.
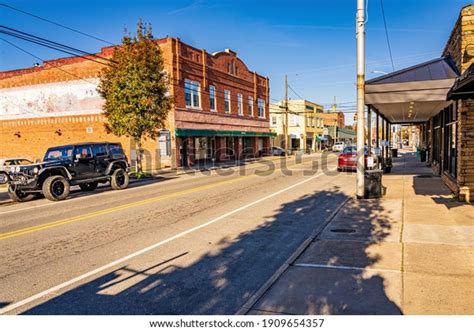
point(220, 108)
point(436, 97)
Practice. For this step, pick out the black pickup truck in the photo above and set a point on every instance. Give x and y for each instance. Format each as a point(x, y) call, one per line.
point(85, 164)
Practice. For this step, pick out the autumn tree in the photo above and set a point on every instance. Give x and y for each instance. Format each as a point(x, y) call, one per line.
point(135, 89)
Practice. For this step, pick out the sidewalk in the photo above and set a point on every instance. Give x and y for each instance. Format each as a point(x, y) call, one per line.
point(411, 252)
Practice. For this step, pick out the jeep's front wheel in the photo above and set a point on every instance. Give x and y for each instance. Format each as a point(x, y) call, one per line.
point(56, 188)
point(119, 179)
point(18, 195)
point(89, 186)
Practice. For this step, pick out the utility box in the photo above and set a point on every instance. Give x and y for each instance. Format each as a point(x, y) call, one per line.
point(394, 152)
point(373, 184)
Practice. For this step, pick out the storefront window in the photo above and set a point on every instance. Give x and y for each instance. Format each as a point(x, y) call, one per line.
point(450, 150)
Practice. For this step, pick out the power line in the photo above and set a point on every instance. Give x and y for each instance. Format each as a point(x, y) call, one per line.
point(296, 93)
point(55, 23)
point(51, 44)
point(386, 34)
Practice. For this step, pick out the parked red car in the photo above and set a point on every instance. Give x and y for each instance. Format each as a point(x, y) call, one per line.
point(347, 160)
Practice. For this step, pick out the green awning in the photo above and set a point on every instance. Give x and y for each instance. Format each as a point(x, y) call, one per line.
point(221, 133)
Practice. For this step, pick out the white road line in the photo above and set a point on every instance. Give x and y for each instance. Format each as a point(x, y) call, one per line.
point(59, 287)
point(341, 267)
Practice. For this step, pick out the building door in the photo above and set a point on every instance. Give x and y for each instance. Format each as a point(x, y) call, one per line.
point(212, 148)
point(309, 145)
point(183, 153)
point(230, 147)
point(247, 146)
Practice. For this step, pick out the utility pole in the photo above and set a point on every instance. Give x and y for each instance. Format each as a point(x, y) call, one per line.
point(360, 34)
point(334, 108)
point(286, 116)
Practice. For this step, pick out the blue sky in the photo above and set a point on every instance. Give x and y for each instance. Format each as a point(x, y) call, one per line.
point(312, 41)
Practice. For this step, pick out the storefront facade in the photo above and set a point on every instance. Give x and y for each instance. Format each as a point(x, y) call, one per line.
point(437, 97)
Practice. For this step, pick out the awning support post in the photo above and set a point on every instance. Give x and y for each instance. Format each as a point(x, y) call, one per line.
point(369, 128)
point(377, 138)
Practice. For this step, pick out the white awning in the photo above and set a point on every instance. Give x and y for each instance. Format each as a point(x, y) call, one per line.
point(413, 94)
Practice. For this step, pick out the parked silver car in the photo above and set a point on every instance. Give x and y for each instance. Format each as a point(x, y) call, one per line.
point(6, 164)
point(273, 151)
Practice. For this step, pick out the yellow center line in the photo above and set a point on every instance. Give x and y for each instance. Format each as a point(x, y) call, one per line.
point(23, 231)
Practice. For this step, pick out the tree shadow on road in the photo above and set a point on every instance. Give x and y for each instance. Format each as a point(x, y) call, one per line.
point(343, 271)
point(217, 282)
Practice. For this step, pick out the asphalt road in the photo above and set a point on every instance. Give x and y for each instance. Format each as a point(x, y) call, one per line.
point(188, 244)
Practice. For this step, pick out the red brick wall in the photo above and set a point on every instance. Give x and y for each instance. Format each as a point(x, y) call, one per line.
point(36, 135)
point(209, 69)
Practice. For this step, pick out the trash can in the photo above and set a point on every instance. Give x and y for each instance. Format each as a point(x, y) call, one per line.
point(373, 184)
point(394, 152)
point(423, 155)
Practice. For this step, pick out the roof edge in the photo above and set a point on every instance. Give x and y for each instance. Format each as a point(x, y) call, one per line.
point(448, 59)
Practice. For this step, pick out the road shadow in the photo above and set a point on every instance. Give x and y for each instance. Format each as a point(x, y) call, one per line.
point(339, 272)
point(4, 304)
point(219, 281)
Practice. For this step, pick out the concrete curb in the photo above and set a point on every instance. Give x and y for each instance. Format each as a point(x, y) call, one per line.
point(266, 286)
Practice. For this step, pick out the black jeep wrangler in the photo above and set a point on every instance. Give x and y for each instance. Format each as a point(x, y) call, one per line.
point(85, 164)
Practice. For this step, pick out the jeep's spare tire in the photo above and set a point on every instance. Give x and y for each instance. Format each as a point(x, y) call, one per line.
point(91, 186)
point(18, 195)
point(119, 180)
point(56, 188)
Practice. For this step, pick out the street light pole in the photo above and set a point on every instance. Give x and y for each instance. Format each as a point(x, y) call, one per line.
point(360, 34)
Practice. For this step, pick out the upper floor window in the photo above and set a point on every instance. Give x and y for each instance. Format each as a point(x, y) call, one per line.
point(227, 101)
point(240, 106)
point(261, 108)
point(250, 109)
point(212, 98)
point(274, 120)
point(231, 68)
point(192, 91)
point(295, 118)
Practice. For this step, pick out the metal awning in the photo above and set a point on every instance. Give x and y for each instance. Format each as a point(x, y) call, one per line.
point(463, 87)
point(413, 94)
